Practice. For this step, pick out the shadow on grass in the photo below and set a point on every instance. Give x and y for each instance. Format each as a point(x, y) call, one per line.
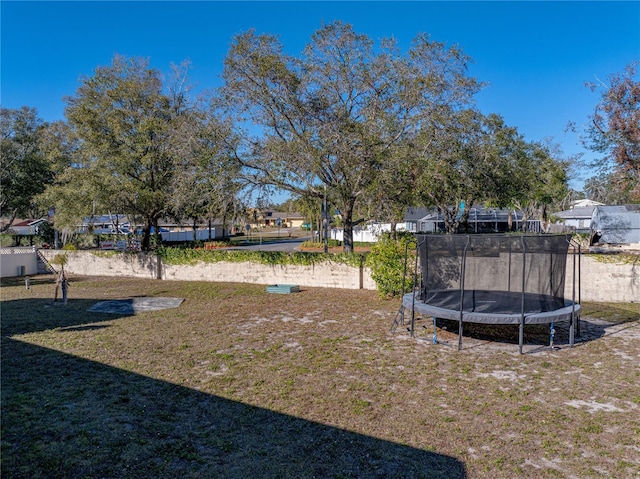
point(67, 417)
point(33, 315)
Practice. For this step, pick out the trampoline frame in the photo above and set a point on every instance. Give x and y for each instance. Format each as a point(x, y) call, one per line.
point(570, 312)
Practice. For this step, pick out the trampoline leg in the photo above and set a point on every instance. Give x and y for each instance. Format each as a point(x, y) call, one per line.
point(460, 336)
point(435, 334)
point(571, 331)
point(413, 321)
point(521, 336)
point(552, 333)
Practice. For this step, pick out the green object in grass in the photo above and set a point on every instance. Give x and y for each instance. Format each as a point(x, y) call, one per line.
point(283, 288)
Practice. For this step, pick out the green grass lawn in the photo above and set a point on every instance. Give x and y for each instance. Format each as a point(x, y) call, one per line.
point(239, 383)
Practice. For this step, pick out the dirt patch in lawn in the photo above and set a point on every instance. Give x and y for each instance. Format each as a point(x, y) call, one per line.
point(237, 382)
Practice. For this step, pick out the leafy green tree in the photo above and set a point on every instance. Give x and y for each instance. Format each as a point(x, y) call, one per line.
point(24, 169)
point(614, 130)
point(541, 181)
point(72, 194)
point(330, 118)
point(394, 189)
point(207, 181)
point(459, 165)
point(530, 177)
point(469, 158)
point(143, 145)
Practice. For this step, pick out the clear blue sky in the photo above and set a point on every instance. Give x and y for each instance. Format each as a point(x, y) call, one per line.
point(535, 56)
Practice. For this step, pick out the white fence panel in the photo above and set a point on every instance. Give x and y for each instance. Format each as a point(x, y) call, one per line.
point(201, 235)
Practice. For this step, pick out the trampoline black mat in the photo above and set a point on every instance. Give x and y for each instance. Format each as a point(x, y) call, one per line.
point(493, 302)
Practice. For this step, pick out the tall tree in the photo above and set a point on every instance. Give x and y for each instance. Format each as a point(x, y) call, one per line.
point(330, 118)
point(607, 189)
point(73, 194)
point(24, 169)
point(539, 181)
point(395, 188)
point(459, 165)
point(469, 158)
point(614, 129)
point(207, 184)
point(136, 135)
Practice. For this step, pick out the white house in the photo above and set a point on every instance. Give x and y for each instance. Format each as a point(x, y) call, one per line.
point(578, 216)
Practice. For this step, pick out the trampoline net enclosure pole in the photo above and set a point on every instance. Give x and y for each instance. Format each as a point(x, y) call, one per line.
point(579, 288)
point(415, 280)
point(524, 266)
point(462, 272)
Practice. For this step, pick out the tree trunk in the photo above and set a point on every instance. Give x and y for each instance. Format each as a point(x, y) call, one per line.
point(347, 232)
point(146, 236)
point(12, 217)
point(156, 233)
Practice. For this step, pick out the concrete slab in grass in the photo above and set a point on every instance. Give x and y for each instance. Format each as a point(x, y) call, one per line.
point(135, 305)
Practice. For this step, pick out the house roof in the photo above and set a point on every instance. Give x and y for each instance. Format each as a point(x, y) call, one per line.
point(25, 227)
point(278, 214)
point(272, 214)
point(414, 213)
point(480, 214)
point(577, 212)
point(585, 202)
point(102, 219)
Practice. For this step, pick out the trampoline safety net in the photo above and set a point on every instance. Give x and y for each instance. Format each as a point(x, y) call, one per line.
point(493, 273)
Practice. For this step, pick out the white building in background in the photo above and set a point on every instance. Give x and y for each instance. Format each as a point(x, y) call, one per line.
point(366, 233)
point(578, 216)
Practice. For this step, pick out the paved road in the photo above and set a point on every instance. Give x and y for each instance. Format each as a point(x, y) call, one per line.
point(282, 245)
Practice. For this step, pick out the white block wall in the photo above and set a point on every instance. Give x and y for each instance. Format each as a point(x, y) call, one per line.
point(12, 259)
point(602, 278)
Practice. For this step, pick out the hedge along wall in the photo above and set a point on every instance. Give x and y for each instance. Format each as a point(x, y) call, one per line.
point(324, 274)
point(607, 278)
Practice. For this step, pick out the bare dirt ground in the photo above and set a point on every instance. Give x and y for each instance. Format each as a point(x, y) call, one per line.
point(237, 382)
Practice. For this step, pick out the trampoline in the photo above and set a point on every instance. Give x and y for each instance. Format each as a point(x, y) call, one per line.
point(494, 279)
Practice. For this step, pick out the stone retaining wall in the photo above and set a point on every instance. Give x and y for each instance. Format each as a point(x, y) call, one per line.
point(323, 275)
point(603, 278)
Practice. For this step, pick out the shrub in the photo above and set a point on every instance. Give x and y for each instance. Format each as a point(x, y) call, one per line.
point(387, 263)
point(60, 260)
